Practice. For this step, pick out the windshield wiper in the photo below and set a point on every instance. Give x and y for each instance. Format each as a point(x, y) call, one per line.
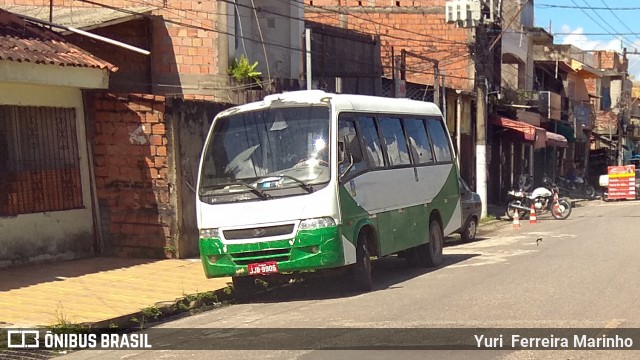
point(302, 184)
point(259, 193)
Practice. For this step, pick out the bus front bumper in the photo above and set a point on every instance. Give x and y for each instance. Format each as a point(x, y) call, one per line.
point(308, 250)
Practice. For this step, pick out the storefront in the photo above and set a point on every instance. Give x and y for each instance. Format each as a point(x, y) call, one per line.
point(520, 148)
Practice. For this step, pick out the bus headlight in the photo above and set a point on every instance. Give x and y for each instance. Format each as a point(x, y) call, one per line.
point(209, 233)
point(316, 223)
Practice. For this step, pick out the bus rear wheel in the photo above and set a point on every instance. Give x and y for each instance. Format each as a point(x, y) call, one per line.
point(430, 254)
point(361, 270)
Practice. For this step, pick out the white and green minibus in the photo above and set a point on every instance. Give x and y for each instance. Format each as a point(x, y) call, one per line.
point(309, 180)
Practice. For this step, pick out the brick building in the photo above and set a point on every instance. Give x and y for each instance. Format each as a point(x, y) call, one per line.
point(144, 132)
point(46, 197)
point(419, 29)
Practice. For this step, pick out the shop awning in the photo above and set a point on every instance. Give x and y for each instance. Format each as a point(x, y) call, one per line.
point(557, 140)
point(541, 138)
point(566, 131)
point(530, 132)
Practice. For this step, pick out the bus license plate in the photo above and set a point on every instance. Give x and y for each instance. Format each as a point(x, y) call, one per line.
point(263, 268)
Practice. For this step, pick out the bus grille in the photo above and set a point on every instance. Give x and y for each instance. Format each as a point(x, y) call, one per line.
point(260, 256)
point(258, 232)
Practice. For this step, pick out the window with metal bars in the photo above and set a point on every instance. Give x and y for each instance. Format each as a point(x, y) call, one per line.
point(39, 160)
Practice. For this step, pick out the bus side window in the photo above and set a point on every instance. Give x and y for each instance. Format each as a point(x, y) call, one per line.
point(394, 141)
point(350, 143)
point(368, 134)
point(439, 140)
point(418, 141)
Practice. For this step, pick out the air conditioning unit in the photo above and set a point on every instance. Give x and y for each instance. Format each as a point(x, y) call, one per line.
point(463, 13)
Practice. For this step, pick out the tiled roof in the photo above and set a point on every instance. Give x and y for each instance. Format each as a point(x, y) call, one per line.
point(23, 41)
point(84, 18)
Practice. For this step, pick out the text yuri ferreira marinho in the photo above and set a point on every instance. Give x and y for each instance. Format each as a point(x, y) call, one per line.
point(582, 341)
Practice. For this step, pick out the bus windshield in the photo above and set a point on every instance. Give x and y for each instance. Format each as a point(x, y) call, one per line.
point(267, 150)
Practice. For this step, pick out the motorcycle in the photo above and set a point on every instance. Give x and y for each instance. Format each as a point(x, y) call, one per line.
point(544, 198)
point(576, 186)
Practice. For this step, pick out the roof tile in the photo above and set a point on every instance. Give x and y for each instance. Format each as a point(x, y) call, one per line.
point(23, 41)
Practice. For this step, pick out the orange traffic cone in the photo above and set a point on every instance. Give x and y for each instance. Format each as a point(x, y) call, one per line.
point(516, 220)
point(532, 215)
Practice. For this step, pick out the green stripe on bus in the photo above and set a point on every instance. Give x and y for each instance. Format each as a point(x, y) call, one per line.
point(404, 228)
point(311, 249)
point(448, 197)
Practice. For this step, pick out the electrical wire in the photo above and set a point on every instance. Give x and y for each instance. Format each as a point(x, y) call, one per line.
point(554, 6)
point(198, 27)
point(264, 48)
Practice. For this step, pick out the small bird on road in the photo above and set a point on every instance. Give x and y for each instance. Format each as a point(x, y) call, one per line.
point(538, 240)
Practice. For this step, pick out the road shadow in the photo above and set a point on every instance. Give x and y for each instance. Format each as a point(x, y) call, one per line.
point(388, 273)
point(457, 241)
point(34, 274)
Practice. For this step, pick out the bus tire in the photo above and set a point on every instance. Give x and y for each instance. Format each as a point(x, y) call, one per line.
point(361, 270)
point(430, 254)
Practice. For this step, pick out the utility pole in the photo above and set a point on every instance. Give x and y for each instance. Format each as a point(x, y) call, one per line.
point(307, 41)
point(623, 108)
point(481, 116)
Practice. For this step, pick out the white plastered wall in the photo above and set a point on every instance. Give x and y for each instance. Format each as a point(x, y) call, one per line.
point(49, 235)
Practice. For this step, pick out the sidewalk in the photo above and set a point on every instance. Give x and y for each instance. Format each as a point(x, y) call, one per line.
point(101, 291)
point(97, 291)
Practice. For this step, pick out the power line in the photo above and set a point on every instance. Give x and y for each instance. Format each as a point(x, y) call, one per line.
point(554, 6)
point(623, 24)
point(599, 17)
point(338, 12)
point(287, 47)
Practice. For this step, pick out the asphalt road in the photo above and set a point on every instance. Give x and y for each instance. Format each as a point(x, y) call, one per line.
point(583, 273)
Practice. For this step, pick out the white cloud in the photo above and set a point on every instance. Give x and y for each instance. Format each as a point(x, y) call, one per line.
point(578, 39)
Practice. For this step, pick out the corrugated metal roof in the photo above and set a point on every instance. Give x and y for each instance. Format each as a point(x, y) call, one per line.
point(85, 18)
point(22, 41)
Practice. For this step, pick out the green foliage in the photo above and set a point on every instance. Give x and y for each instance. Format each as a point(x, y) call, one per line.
point(151, 312)
point(242, 70)
point(63, 324)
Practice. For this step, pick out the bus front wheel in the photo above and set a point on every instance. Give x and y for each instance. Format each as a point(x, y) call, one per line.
point(361, 270)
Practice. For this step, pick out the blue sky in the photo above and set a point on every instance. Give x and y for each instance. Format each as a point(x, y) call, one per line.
point(580, 23)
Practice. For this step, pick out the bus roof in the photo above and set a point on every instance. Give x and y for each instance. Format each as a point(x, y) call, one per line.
point(363, 103)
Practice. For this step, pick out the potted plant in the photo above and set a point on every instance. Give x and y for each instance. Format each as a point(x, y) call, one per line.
point(244, 72)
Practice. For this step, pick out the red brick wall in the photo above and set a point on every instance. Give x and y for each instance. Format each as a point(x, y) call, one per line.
point(610, 60)
point(606, 121)
point(184, 55)
point(131, 173)
point(417, 26)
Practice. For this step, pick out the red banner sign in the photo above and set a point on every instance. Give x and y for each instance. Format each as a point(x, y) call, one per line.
point(622, 182)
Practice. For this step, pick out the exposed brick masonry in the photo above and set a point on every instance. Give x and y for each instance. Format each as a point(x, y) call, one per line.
point(417, 26)
point(132, 176)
